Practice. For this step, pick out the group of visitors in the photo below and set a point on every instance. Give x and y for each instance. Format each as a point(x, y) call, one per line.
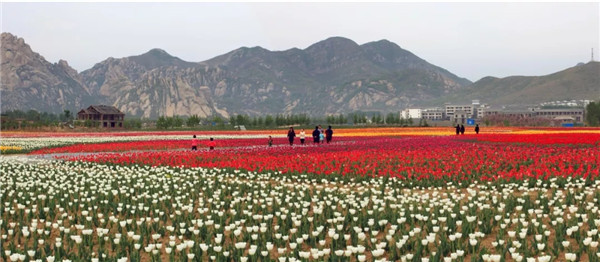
point(211, 145)
point(460, 129)
point(319, 135)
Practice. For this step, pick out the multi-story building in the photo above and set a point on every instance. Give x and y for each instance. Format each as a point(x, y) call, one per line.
point(465, 109)
point(460, 116)
point(509, 112)
point(414, 113)
point(461, 113)
point(102, 116)
point(436, 113)
point(575, 115)
point(480, 111)
point(561, 114)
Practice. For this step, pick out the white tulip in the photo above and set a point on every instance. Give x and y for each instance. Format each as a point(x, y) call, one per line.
point(570, 256)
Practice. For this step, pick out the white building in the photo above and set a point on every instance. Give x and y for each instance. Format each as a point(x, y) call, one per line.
point(436, 113)
point(414, 113)
point(474, 110)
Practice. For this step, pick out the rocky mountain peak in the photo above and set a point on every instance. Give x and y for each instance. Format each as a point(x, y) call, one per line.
point(381, 44)
point(28, 81)
point(64, 65)
point(157, 58)
point(10, 39)
point(333, 42)
point(159, 52)
point(16, 52)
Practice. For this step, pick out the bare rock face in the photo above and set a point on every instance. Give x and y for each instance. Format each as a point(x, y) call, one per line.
point(335, 75)
point(28, 81)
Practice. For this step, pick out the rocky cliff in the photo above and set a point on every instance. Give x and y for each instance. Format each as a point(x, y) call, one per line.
point(335, 75)
point(28, 81)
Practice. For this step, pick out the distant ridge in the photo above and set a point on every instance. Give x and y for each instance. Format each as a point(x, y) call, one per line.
point(579, 82)
point(332, 76)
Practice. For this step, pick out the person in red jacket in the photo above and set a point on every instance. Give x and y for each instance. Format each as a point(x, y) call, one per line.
point(212, 144)
point(194, 143)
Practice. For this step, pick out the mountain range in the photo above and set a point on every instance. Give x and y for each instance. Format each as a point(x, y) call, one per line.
point(332, 76)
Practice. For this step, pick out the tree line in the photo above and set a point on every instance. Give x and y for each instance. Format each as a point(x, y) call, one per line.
point(33, 119)
point(592, 114)
point(165, 122)
point(279, 120)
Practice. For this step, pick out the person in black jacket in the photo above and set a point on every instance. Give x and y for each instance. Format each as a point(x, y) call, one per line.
point(462, 129)
point(328, 134)
point(316, 133)
point(457, 129)
point(291, 134)
point(477, 129)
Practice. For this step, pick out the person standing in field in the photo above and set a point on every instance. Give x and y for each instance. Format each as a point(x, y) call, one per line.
point(270, 141)
point(328, 134)
point(322, 137)
point(457, 129)
point(462, 129)
point(194, 143)
point(477, 129)
point(316, 133)
point(291, 134)
point(302, 137)
point(212, 144)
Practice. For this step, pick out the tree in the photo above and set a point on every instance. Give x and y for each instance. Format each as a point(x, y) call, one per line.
point(330, 119)
point(269, 120)
point(33, 115)
point(340, 119)
point(161, 123)
point(240, 120)
point(177, 122)
point(233, 120)
point(592, 114)
point(218, 121)
point(128, 123)
point(390, 118)
point(90, 123)
point(67, 115)
point(377, 118)
point(193, 121)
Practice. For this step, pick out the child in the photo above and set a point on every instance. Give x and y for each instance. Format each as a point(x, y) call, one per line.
point(302, 137)
point(321, 137)
point(212, 144)
point(270, 141)
point(194, 143)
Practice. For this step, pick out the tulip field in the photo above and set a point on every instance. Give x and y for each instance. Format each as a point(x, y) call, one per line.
point(379, 194)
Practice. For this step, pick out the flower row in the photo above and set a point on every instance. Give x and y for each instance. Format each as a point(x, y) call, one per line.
point(55, 210)
point(460, 159)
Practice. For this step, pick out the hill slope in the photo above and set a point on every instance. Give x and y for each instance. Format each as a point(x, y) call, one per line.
point(579, 82)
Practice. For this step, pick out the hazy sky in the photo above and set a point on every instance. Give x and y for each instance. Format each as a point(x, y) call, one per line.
point(472, 40)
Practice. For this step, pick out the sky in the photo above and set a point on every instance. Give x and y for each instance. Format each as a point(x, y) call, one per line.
point(472, 40)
